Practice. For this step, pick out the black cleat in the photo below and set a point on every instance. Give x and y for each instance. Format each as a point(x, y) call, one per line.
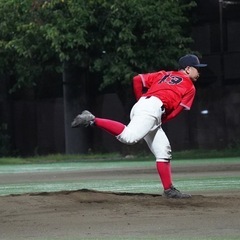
point(172, 192)
point(84, 119)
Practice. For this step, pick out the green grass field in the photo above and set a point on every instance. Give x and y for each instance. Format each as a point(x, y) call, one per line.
point(181, 155)
point(146, 184)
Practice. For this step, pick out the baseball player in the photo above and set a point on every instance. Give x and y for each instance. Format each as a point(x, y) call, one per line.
point(168, 93)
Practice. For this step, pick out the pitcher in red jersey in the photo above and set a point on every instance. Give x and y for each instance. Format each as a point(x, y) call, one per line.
point(168, 93)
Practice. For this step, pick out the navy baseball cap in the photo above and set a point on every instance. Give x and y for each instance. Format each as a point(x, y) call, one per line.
point(190, 60)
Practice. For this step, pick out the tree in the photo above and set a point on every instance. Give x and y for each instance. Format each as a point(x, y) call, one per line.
point(114, 38)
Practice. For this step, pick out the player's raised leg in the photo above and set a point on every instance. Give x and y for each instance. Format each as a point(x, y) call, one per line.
point(129, 134)
point(86, 119)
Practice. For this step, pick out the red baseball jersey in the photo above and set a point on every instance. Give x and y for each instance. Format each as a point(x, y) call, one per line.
point(174, 88)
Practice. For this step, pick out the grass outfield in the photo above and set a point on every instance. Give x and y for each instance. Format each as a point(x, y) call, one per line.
point(103, 163)
point(144, 184)
point(182, 155)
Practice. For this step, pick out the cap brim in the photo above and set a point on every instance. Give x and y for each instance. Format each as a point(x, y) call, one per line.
point(200, 65)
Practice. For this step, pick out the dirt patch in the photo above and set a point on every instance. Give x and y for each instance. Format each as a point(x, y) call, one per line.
point(86, 214)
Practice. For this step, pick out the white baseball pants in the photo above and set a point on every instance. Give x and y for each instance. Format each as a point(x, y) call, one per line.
point(145, 123)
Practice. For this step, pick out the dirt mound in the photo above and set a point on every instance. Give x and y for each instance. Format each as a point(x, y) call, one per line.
point(86, 214)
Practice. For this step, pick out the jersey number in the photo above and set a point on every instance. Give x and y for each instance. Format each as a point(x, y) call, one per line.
point(171, 80)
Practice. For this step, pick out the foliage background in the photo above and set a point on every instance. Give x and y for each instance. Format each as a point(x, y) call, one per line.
point(114, 38)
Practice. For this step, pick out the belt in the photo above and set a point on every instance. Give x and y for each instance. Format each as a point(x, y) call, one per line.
point(162, 107)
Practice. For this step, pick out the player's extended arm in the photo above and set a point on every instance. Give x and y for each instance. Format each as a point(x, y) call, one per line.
point(172, 114)
point(137, 86)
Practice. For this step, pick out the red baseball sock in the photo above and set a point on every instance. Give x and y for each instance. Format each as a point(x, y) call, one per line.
point(165, 174)
point(110, 126)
